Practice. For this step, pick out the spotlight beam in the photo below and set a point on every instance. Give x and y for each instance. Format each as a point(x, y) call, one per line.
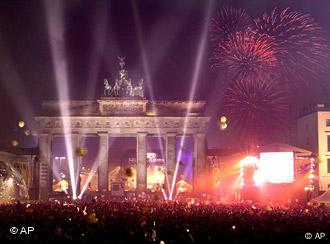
point(54, 17)
point(146, 69)
point(167, 35)
point(99, 38)
point(90, 176)
point(89, 179)
point(194, 83)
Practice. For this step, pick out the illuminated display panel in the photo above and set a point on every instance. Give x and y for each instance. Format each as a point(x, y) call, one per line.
point(277, 167)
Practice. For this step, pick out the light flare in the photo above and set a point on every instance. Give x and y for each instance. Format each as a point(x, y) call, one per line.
point(194, 83)
point(99, 38)
point(54, 18)
point(89, 179)
point(147, 72)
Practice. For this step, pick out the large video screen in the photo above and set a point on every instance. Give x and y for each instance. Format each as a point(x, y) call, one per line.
point(277, 167)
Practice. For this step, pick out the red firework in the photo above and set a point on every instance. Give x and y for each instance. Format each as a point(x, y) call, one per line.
point(246, 55)
point(301, 48)
point(254, 107)
point(226, 22)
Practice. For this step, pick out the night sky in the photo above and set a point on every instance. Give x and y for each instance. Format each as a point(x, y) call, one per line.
point(96, 32)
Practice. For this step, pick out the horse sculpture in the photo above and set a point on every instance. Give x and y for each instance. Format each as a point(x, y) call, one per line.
point(138, 90)
point(107, 88)
point(116, 88)
point(129, 88)
point(123, 88)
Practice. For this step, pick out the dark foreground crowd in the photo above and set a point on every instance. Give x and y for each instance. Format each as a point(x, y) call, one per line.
point(142, 221)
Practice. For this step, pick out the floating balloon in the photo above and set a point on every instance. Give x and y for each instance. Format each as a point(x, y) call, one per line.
point(14, 143)
point(27, 132)
point(92, 218)
point(223, 119)
point(223, 126)
point(21, 124)
point(81, 151)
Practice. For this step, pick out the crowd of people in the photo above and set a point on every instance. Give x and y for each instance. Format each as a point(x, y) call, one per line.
point(155, 221)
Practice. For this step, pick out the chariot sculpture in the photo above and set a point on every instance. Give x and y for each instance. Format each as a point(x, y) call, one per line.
point(123, 86)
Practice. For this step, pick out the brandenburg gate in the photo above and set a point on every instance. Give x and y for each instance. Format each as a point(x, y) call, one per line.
point(123, 111)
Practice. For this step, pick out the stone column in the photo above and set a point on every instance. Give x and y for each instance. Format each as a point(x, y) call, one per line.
point(199, 167)
point(34, 172)
point(45, 166)
point(141, 162)
point(170, 159)
point(75, 140)
point(103, 163)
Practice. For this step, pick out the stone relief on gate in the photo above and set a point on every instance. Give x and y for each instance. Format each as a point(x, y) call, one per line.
point(123, 108)
point(98, 123)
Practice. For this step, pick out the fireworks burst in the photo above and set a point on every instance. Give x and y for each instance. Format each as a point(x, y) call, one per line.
point(301, 48)
point(283, 45)
point(253, 107)
point(246, 55)
point(226, 22)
